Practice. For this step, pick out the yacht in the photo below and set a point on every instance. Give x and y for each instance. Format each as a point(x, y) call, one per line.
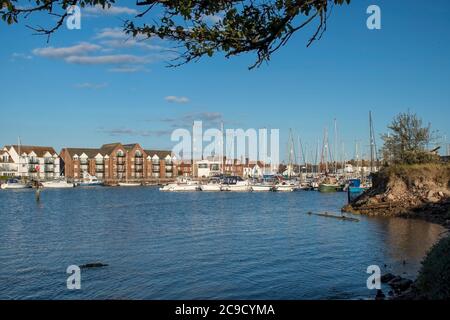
point(89, 181)
point(14, 184)
point(284, 187)
point(212, 185)
point(130, 184)
point(235, 183)
point(57, 184)
point(182, 184)
point(261, 187)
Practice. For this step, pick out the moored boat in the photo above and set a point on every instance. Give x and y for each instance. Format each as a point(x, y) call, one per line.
point(212, 185)
point(235, 183)
point(284, 187)
point(355, 189)
point(329, 187)
point(182, 184)
point(130, 184)
point(261, 187)
point(57, 184)
point(14, 184)
point(90, 181)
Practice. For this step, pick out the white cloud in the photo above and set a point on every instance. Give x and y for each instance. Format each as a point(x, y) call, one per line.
point(111, 11)
point(130, 43)
point(16, 55)
point(111, 33)
point(79, 49)
point(89, 85)
point(128, 69)
point(175, 99)
point(106, 59)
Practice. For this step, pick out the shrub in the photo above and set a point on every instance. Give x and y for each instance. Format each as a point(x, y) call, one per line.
point(433, 281)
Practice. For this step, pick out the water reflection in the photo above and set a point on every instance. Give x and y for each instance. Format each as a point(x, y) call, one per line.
point(407, 241)
point(197, 245)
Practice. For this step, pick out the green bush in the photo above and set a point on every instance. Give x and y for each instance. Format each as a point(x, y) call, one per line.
point(433, 281)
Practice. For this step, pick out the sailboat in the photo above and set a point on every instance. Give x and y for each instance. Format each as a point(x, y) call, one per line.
point(14, 184)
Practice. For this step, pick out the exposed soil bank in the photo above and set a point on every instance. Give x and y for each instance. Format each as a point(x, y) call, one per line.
point(420, 192)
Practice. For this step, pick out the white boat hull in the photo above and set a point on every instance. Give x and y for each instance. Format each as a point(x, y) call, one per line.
point(57, 185)
point(236, 188)
point(260, 188)
point(211, 187)
point(13, 186)
point(284, 188)
point(129, 184)
point(180, 188)
point(90, 184)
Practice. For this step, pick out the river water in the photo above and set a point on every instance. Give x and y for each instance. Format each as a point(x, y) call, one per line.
point(198, 245)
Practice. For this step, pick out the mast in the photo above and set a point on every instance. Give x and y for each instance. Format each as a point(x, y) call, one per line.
point(18, 147)
point(335, 157)
point(223, 151)
point(192, 151)
point(325, 151)
point(291, 156)
point(373, 146)
point(316, 162)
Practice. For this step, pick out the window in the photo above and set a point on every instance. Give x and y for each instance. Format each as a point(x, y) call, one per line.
point(203, 166)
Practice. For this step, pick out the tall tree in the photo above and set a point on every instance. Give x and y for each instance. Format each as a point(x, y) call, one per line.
point(201, 27)
point(407, 140)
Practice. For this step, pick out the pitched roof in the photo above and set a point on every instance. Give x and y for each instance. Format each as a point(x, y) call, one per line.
point(39, 151)
point(130, 146)
point(160, 153)
point(109, 148)
point(90, 152)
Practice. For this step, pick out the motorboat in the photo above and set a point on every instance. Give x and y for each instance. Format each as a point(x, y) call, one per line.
point(14, 184)
point(90, 181)
point(284, 187)
point(57, 184)
point(130, 184)
point(235, 183)
point(212, 185)
point(182, 184)
point(261, 187)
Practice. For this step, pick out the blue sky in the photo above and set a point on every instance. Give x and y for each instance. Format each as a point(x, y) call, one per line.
point(51, 97)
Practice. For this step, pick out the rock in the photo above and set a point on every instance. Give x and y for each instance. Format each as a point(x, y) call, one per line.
point(380, 295)
point(390, 197)
point(93, 265)
point(400, 284)
point(387, 278)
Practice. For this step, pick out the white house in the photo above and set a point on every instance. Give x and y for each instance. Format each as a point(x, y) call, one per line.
point(7, 166)
point(206, 168)
point(254, 170)
point(33, 161)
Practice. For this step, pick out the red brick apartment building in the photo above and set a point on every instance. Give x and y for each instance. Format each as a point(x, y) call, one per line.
point(116, 162)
